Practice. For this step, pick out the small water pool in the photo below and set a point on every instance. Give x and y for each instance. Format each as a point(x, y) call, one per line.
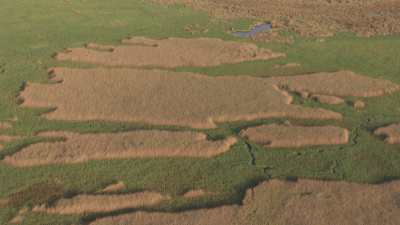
point(253, 31)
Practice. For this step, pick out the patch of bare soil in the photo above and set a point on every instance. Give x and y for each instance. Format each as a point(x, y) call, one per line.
point(283, 136)
point(169, 53)
point(326, 99)
point(136, 144)
point(120, 186)
point(276, 202)
point(310, 18)
point(392, 133)
point(183, 99)
point(102, 203)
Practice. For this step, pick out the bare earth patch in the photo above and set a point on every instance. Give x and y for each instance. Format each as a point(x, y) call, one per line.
point(102, 203)
point(363, 17)
point(283, 136)
point(136, 144)
point(169, 53)
point(120, 186)
point(392, 133)
point(276, 202)
point(171, 98)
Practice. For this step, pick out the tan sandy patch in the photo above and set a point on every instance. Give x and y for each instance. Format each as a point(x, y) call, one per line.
point(136, 144)
point(296, 136)
point(183, 99)
point(310, 18)
point(196, 193)
point(326, 99)
point(391, 132)
point(120, 186)
point(102, 203)
point(276, 202)
point(169, 53)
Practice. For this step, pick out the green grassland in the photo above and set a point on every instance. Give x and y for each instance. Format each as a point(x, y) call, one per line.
point(32, 31)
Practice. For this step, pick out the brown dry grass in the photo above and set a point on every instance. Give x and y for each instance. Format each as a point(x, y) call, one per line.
point(183, 99)
point(120, 186)
point(7, 138)
point(310, 18)
point(169, 53)
point(326, 99)
point(102, 203)
point(3, 202)
point(296, 136)
point(196, 193)
point(136, 144)
point(276, 202)
point(287, 65)
point(392, 133)
point(342, 83)
point(5, 125)
point(359, 105)
point(19, 218)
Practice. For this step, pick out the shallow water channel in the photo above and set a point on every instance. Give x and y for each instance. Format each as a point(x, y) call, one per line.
point(253, 31)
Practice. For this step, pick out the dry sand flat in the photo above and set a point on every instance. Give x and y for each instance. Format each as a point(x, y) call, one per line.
point(165, 98)
point(310, 18)
point(136, 144)
point(296, 136)
point(187, 99)
point(391, 132)
point(169, 53)
point(276, 202)
point(102, 203)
